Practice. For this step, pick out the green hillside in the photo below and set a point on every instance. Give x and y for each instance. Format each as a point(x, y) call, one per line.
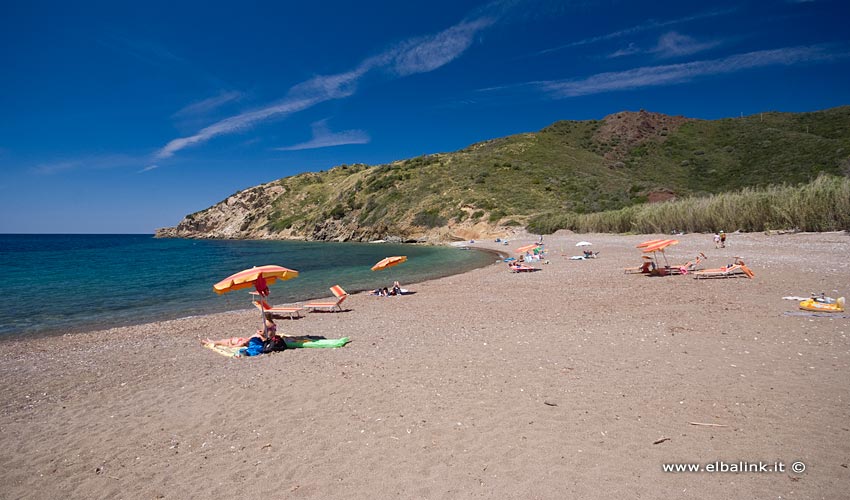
point(576, 167)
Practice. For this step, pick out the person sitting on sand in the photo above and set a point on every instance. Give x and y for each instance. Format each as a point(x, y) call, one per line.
point(396, 288)
point(244, 341)
point(256, 344)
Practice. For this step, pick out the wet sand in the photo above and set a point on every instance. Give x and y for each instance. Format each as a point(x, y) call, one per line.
point(577, 381)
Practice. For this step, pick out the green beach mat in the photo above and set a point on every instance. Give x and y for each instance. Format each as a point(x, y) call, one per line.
point(297, 342)
point(291, 343)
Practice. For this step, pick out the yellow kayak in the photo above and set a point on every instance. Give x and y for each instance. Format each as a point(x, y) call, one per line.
point(819, 306)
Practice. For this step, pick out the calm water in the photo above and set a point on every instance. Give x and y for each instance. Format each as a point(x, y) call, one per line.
point(74, 282)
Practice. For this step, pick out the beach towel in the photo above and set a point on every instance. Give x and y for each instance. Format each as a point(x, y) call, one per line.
point(230, 352)
point(254, 347)
point(291, 343)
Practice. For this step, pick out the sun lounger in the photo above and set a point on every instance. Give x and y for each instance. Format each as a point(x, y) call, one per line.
point(340, 294)
point(688, 267)
point(644, 268)
point(291, 311)
point(736, 270)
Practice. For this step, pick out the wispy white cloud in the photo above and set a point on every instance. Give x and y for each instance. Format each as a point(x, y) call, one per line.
point(324, 138)
point(148, 169)
point(627, 51)
point(669, 45)
point(91, 162)
point(647, 26)
point(208, 105)
point(239, 123)
point(56, 167)
point(419, 55)
point(674, 44)
point(429, 53)
point(650, 76)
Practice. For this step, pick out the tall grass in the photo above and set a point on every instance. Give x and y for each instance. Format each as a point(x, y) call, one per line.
point(820, 205)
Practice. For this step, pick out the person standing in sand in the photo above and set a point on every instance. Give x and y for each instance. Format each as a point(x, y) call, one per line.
point(722, 239)
point(716, 240)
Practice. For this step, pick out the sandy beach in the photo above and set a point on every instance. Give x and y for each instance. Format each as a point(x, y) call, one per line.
point(577, 381)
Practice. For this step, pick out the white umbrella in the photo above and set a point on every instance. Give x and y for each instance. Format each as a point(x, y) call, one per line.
point(583, 244)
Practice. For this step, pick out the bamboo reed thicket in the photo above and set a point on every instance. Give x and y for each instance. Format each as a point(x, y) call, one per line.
point(821, 205)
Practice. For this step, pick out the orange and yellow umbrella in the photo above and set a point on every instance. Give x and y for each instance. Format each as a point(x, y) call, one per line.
point(527, 248)
point(647, 243)
point(248, 277)
point(389, 262)
point(658, 245)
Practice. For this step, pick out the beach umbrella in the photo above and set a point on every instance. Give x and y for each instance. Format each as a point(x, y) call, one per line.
point(389, 262)
point(262, 275)
point(659, 246)
point(257, 277)
point(583, 244)
point(648, 243)
point(526, 248)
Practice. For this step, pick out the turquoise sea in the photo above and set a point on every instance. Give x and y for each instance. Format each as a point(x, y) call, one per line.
point(67, 283)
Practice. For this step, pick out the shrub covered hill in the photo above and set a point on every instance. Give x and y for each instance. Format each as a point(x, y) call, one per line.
point(570, 167)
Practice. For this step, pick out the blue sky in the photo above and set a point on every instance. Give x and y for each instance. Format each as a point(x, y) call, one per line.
point(119, 117)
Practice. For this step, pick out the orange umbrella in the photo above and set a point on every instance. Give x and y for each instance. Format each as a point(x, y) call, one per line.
point(389, 262)
point(647, 243)
point(256, 276)
point(659, 246)
point(527, 248)
point(248, 277)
